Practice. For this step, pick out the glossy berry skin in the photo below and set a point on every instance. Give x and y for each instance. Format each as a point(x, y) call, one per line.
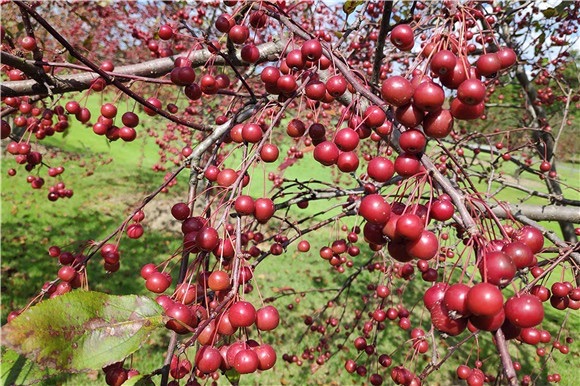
point(28, 43)
point(208, 359)
point(438, 124)
point(242, 314)
point(181, 318)
point(488, 322)
point(488, 64)
point(157, 282)
point(269, 153)
point(463, 111)
point(524, 311)
point(311, 50)
point(266, 356)
point(375, 209)
point(409, 115)
point(455, 299)
point(412, 141)
point(326, 153)
point(471, 92)
point(270, 74)
point(429, 96)
point(484, 299)
point(407, 165)
point(246, 361)
point(347, 162)
point(244, 205)
point(336, 85)
point(425, 247)
point(252, 133)
point(532, 237)
point(250, 53)
point(180, 211)
point(441, 210)
point(374, 116)
point(434, 295)
point(507, 57)
point(498, 268)
point(409, 226)
point(397, 91)
point(443, 62)
point(444, 323)
point(521, 255)
point(402, 37)
point(263, 209)
point(381, 169)
point(315, 90)
point(165, 32)
point(207, 239)
point(239, 34)
point(267, 318)
point(346, 139)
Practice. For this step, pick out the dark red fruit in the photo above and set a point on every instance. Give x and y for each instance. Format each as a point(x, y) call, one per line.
point(484, 299)
point(429, 96)
point(263, 209)
point(181, 318)
point(488, 64)
point(471, 92)
point(521, 255)
point(438, 124)
point(409, 115)
point(455, 299)
point(267, 318)
point(346, 139)
point(180, 211)
point(497, 268)
point(532, 237)
point(375, 209)
point(381, 169)
point(402, 37)
point(242, 314)
point(443, 62)
point(397, 91)
point(326, 153)
point(336, 85)
point(412, 141)
point(407, 165)
point(524, 311)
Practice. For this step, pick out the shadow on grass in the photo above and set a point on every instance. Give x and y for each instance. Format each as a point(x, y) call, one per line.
point(26, 264)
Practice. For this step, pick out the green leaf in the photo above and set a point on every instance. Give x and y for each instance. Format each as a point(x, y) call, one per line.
point(17, 370)
point(350, 5)
point(550, 12)
point(233, 376)
point(562, 9)
point(83, 330)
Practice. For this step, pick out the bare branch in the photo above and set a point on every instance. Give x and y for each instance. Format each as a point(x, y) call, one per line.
point(150, 69)
point(538, 212)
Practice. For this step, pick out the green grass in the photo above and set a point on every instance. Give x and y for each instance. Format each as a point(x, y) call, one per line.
point(30, 224)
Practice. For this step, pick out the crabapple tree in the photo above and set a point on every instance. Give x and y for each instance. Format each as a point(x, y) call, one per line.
point(411, 117)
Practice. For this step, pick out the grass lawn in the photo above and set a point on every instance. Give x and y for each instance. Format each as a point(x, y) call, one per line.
point(105, 192)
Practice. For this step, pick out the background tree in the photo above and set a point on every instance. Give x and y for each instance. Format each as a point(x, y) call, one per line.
point(391, 160)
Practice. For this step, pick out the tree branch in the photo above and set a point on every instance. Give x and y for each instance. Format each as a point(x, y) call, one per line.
point(538, 212)
point(506, 360)
point(379, 54)
point(150, 69)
